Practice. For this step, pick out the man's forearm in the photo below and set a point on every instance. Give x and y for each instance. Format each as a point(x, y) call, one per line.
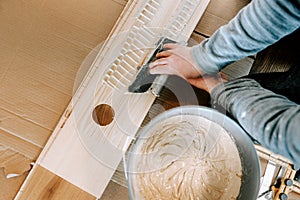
point(257, 26)
point(271, 119)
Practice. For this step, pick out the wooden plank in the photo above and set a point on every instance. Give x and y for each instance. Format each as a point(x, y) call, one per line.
point(51, 186)
point(82, 150)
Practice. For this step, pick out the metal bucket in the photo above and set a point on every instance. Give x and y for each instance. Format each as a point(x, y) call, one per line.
point(250, 180)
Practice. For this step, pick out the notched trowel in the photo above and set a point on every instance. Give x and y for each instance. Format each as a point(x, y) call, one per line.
point(145, 81)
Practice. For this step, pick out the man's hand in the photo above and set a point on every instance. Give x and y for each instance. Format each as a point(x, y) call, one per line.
point(177, 60)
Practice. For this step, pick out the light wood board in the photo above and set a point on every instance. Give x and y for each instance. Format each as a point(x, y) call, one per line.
point(50, 186)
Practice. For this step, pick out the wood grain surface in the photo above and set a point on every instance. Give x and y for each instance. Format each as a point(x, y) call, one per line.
point(50, 186)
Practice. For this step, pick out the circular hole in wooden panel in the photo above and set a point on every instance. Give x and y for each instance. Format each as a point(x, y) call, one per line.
point(103, 114)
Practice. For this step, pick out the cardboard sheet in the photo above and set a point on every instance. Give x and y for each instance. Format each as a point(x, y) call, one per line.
point(42, 46)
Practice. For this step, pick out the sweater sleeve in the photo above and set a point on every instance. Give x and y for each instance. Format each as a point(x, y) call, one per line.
point(258, 25)
point(271, 119)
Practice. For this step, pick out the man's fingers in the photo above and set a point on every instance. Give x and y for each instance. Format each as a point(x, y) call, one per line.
point(162, 61)
point(171, 45)
point(163, 54)
point(161, 69)
point(162, 66)
point(169, 52)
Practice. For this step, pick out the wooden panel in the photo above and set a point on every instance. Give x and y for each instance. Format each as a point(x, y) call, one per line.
point(83, 152)
point(51, 186)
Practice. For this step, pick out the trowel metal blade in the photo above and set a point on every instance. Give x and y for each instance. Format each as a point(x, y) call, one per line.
point(144, 79)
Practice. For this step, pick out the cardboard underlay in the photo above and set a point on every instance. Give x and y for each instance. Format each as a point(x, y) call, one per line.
point(42, 46)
